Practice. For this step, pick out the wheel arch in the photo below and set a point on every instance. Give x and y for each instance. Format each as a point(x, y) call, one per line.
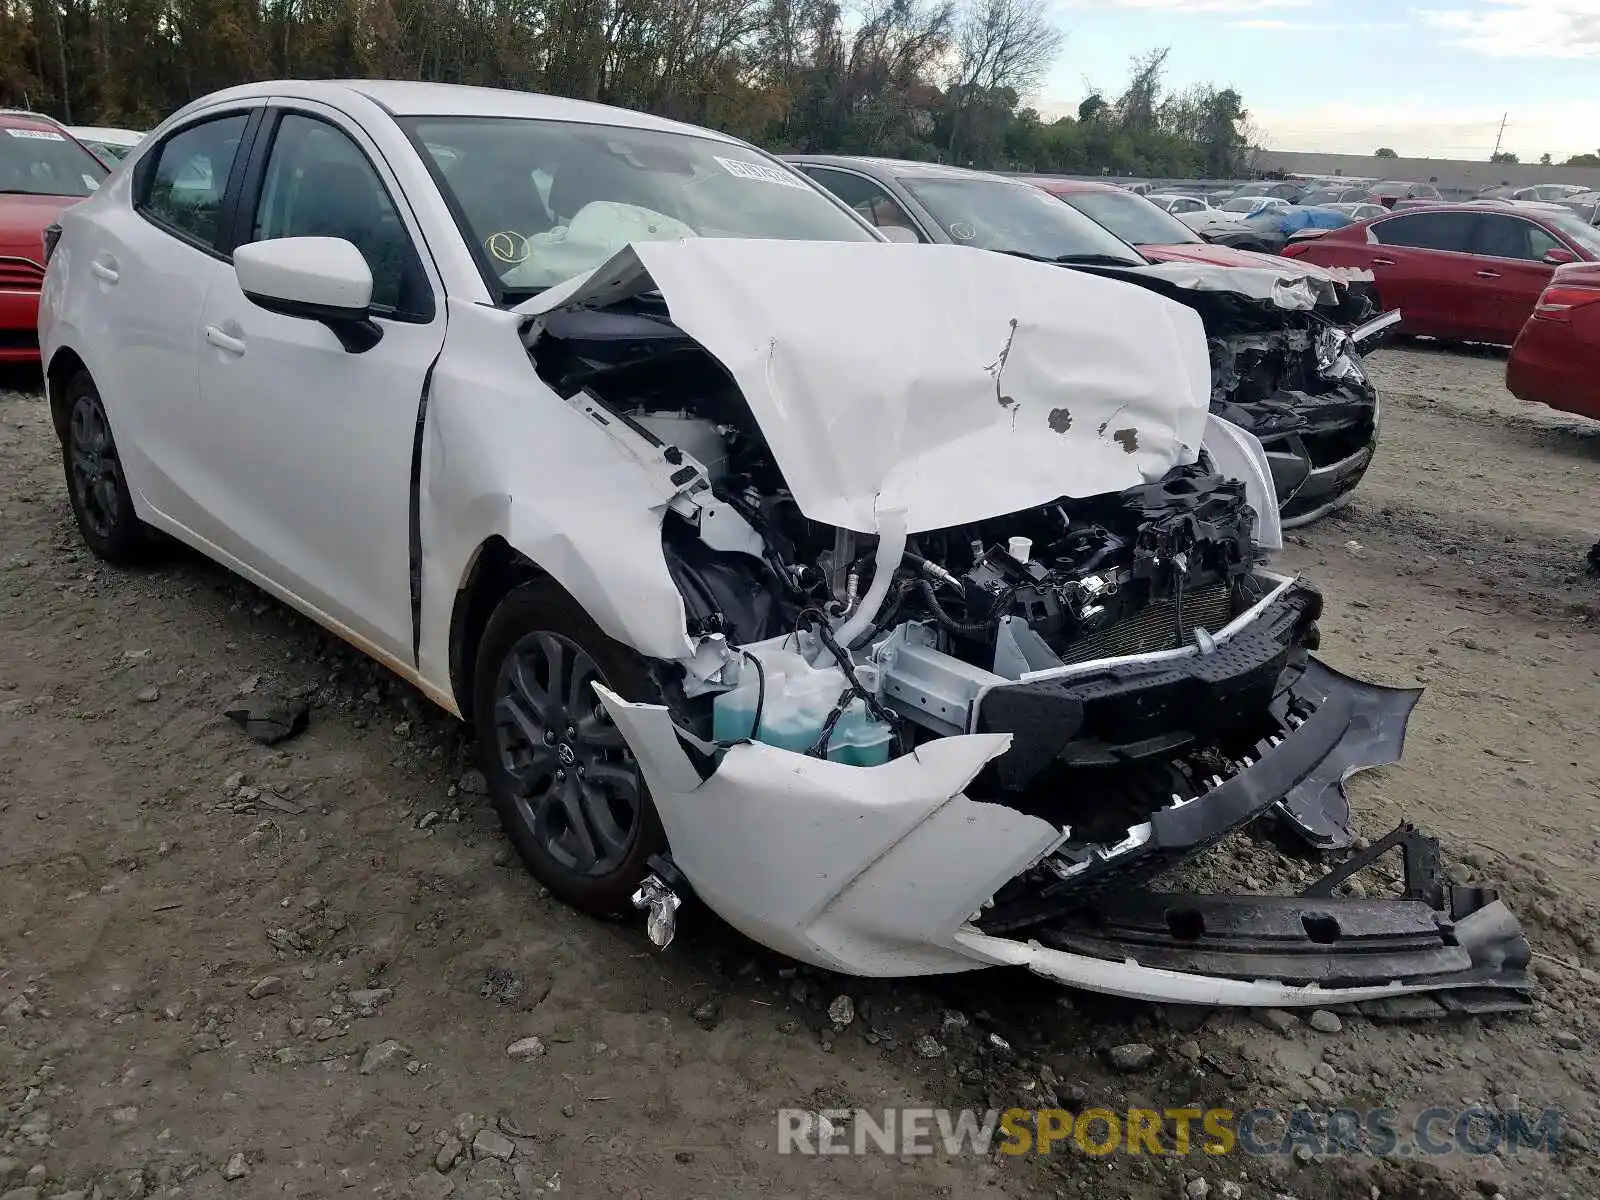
point(495, 569)
point(64, 364)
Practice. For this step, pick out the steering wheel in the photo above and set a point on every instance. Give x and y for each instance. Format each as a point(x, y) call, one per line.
point(508, 246)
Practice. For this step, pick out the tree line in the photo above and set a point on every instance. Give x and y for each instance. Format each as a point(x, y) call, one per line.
point(942, 80)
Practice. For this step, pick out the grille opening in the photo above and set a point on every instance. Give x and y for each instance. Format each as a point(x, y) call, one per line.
point(1186, 924)
point(1321, 928)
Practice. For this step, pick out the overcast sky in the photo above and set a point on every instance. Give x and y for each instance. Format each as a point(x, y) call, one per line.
point(1347, 76)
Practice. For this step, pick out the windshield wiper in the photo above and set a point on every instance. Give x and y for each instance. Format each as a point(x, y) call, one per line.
point(1100, 260)
point(1104, 260)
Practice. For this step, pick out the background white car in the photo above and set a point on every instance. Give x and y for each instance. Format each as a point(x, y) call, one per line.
point(108, 143)
point(1179, 204)
point(1242, 208)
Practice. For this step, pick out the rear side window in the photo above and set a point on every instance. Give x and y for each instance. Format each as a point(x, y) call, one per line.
point(186, 180)
point(1428, 231)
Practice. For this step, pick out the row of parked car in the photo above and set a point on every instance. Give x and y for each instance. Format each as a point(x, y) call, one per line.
point(1453, 271)
point(1515, 274)
point(909, 605)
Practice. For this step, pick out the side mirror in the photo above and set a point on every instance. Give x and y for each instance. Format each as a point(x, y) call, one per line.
point(322, 279)
point(899, 233)
point(1557, 255)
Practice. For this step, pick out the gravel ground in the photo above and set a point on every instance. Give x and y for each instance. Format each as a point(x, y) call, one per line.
point(229, 970)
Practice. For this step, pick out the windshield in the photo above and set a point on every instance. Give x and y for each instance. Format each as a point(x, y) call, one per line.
point(1131, 218)
point(995, 214)
point(542, 201)
point(1582, 235)
point(1244, 204)
point(42, 162)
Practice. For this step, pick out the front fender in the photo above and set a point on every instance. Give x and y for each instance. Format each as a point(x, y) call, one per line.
point(502, 455)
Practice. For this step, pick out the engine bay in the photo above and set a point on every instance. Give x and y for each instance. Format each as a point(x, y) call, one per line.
point(859, 647)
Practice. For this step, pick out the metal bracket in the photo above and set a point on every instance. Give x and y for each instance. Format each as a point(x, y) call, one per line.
point(662, 903)
point(1424, 877)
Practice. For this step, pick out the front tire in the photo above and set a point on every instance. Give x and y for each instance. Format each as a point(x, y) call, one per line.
point(101, 502)
point(566, 788)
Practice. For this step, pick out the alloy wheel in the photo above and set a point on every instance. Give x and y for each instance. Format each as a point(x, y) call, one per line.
point(567, 766)
point(96, 472)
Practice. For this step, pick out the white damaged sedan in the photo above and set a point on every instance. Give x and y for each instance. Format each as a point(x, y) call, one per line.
point(903, 604)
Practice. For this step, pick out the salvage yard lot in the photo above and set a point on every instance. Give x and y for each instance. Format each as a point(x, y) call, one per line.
point(186, 913)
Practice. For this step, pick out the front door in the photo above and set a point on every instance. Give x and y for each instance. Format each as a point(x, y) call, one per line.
point(1422, 264)
point(312, 443)
point(1512, 273)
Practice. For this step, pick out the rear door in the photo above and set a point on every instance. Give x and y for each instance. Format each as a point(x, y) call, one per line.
point(149, 264)
point(1422, 263)
point(1510, 272)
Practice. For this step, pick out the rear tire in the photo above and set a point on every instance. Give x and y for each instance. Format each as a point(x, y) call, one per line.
point(566, 788)
point(101, 502)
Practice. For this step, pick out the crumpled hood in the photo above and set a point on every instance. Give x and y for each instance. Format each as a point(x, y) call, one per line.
point(1218, 255)
point(951, 383)
point(1280, 281)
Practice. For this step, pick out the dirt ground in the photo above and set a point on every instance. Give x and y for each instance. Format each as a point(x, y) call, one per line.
point(229, 970)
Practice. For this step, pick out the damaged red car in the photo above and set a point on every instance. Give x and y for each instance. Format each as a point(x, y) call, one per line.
point(1556, 357)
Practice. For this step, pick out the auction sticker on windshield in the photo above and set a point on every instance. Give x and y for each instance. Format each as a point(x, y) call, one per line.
point(38, 135)
point(759, 172)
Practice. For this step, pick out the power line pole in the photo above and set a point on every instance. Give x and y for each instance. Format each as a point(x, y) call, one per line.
point(1498, 136)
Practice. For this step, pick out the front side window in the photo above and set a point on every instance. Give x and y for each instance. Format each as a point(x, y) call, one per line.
point(319, 184)
point(1428, 231)
point(45, 162)
point(1512, 237)
point(1576, 230)
point(869, 198)
point(189, 175)
point(542, 201)
point(1018, 218)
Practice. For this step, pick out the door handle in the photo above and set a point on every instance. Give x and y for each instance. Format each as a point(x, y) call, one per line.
point(1488, 274)
point(106, 272)
point(225, 342)
point(1383, 262)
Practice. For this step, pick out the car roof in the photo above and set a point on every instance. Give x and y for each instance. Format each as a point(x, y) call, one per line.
point(904, 168)
point(105, 133)
point(1537, 215)
point(405, 98)
point(16, 118)
point(1058, 186)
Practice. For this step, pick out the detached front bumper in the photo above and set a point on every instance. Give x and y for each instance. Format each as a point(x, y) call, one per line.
point(894, 870)
point(1316, 469)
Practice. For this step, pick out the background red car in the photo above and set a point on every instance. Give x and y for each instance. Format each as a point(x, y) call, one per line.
point(1556, 358)
point(1159, 235)
point(43, 170)
point(1458, 271)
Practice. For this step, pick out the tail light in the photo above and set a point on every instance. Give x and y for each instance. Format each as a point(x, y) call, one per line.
point(52, 235)
point(1560, 299)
